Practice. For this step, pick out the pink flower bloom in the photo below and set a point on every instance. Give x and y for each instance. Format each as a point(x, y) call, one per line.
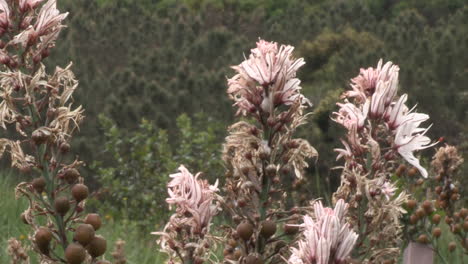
point(48, 23)
point(410, 138)
point(327, 237)
point(194, 196)
point(384, 94)
point(266, 61)
point(266, 79)
point(365, 84)
point(28, 4)
point(49, 18)
point(350, 116)
point(4, 15)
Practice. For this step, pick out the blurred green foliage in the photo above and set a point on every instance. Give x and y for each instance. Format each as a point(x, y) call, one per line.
point(136, 165)
point(159, 59)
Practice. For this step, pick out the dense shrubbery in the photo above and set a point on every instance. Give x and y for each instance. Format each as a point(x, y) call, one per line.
point(135, 165)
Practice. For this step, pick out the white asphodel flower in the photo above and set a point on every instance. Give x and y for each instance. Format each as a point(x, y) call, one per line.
point(409, 138)
point(327, 237)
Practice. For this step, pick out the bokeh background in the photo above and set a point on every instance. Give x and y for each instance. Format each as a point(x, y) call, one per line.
point(153, 83)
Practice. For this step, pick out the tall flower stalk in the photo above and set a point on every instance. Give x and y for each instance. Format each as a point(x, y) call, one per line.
point(261, 153)
point(382, 132)
point(37, 113)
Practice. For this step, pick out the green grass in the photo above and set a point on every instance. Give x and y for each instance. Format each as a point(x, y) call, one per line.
point(139, 248)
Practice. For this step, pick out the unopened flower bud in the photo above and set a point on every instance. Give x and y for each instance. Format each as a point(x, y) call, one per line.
point(412, 172)
point(271, 121)
point(75, 253)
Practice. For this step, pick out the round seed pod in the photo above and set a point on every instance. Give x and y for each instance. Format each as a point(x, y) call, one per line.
point(452, 246)
point(245, 230)
point(94, 220)
point(400, 170)
point(62, 205)
point(411, 204)
point(271, 170)
point(42, 238)
point(84, 233)
point(39, 184)
point(463, 212)
point(436, 232)
point(97, 247)
point(412, 172)
point(80, 192)
point(423, 239)
point(253, 259)
point(414, 219)
point(64, 147)
point(427, 206)
point(75, 253)
point(71, 175)
point(436, 219)
point(268, 228)
point(420, 213)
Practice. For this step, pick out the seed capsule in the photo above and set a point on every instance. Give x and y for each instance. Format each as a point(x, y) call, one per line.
point(411, 204)
point(427, 206)
point(436, 219)
point(75, 253)
point(436, 232)
point(97, 247)
point(423, 239)
point(84, 233)
point(268, 228)
point(245, 230)
point(42, 238)
point(412, 172)
point(39, 184)
point(80, 192)
point(71, 175)
point(452, 246)
point(94, 220)
point(62, 205)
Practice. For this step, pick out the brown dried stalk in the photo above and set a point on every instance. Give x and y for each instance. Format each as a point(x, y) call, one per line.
point(38, 107)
